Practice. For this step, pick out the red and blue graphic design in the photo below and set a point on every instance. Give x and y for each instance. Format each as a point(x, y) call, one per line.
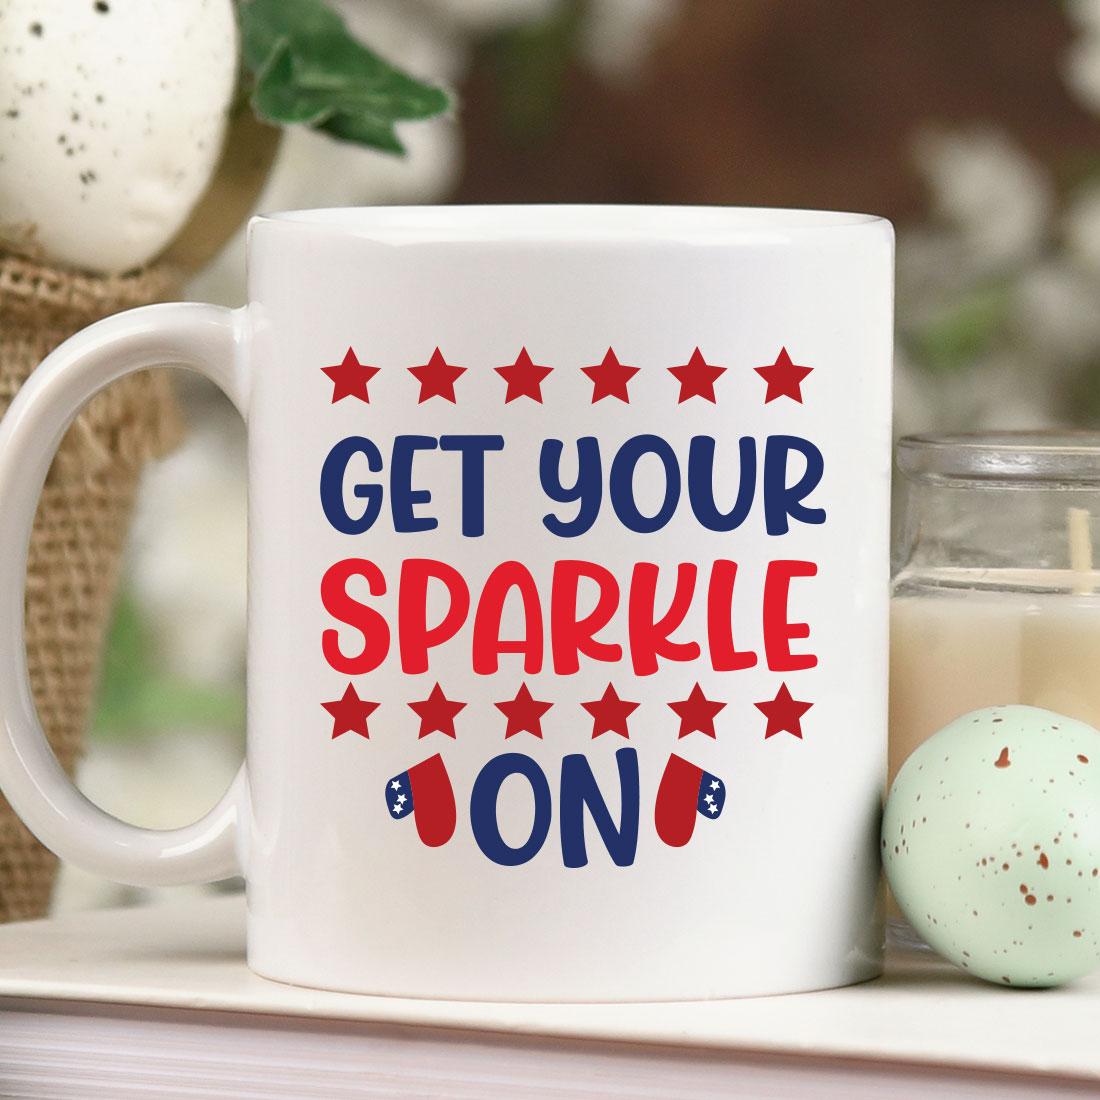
point(438, 616)
point(686, 792)
point(424, 793)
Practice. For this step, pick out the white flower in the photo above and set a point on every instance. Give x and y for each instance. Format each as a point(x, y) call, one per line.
point(935, 267)
point(1054, 312)
point(187, 561)
point(989, 193)
point(410, 35)
point(1081, 229)
point(1085, 13)
point(313, 169)
point(1081, 65)
point(486, 15)
point(1081, 70)
point(617, 35)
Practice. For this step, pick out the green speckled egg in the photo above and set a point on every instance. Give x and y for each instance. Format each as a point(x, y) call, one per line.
point(991, 844)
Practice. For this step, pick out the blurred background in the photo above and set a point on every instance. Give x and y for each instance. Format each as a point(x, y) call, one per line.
point(973, 127)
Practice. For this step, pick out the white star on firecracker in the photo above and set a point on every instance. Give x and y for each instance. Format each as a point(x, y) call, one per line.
point(713, 809)
point(398, 809)
point(715, 785)
point(396, 784)
point(400, 799)
point(709, 798)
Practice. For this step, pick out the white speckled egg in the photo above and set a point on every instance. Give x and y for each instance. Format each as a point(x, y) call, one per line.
point(991, 844)
point(112, 114)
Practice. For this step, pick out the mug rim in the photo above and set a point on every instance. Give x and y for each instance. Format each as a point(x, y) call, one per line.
point(565, 221)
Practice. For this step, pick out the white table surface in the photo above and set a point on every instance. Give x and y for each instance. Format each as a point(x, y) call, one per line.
point(191, 956)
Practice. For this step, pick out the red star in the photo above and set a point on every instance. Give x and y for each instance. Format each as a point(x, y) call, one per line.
point(783, 713)
point(783, 378)
point(610, 713)
point(524, 713)
point(437, 713)
point(609, 378)
point(350, 713)
point(524, 378)
point(437, 378)
point(697, 712)
point(697, 378)
point(350, 378)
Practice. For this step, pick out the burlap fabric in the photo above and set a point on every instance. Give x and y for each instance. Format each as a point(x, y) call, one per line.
point(81, 525)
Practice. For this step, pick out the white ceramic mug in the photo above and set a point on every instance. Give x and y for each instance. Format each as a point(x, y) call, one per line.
point(568, 541)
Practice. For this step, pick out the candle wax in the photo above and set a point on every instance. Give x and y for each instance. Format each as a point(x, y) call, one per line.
point(955, 650)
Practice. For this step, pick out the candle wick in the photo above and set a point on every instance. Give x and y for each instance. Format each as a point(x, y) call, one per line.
point(1080, 549)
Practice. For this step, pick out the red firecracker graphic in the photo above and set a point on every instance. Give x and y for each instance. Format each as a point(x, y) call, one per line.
point(686, 791)
point(425, 791)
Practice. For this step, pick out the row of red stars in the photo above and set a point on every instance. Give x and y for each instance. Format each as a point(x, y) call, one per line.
point(524, 713)
point(524, 378)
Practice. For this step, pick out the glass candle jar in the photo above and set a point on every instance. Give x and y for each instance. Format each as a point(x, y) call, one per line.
point(994, 598)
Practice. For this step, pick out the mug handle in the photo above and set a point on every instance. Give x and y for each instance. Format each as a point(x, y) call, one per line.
point(206, 338)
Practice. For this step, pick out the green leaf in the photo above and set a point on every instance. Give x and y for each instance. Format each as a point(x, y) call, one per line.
point(959, 336)
point(265, 22)
point(308, 70)
point(136, 698)
point(533, 68)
